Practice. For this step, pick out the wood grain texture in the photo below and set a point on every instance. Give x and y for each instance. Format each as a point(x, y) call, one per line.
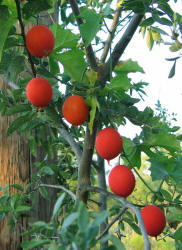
point(14, 169)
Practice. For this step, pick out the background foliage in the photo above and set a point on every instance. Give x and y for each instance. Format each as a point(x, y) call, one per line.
point(83, 62)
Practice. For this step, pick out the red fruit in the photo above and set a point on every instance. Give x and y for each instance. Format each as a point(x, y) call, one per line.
point(40, 41)
point(39, 92)
point(108, 143)
point(153, 219)
point(122, 181)
point(75, 110)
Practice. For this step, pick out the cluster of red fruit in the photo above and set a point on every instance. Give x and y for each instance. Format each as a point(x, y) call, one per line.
point(109, 145)
point(40, 43)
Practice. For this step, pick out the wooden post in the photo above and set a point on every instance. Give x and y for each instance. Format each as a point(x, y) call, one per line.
point(14, 168)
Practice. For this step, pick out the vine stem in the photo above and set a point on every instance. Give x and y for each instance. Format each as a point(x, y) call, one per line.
point(24, 36)
point(136, 172)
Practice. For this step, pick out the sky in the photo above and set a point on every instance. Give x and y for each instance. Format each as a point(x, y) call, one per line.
point(168, 91)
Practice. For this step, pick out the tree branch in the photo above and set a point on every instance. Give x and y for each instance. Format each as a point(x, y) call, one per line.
point(73, 144)
point(110, 35)
point(120, 48)
point(89, 51)
point(112, 222)
point(125, 204)
point(24, 36)
point(85, 164)
point(73, 196)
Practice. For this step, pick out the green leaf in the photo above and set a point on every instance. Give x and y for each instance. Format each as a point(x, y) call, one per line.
point(31, 8)
point(164, 6)
point(36, 227)
point(164, 21)
point(74, 64)
point(6, 22)
point(53, 65)
point(69, 220)
point(90, 234)
point(120, 82)
point(178, 234)
point(157, 168)
point(20, 209)
point(93, 103)
point(148, 22)
point(64, 38)
point(58, 205)
point(174, 214)
point(101, 217)
point(176, 46)
point(29, 125)
point(172, 71)
point(46, 171)
point(90, 26)
point(17, 186)
point(176, 174)
point(16, 67)
point(4, 209)
point(135, 159)
point(18, 123)
point(119, 245)
point(83, 218)
point(18, 108)
point(166, 194)
point(165, 140)
point(150, 40)
point(128, 67)
point(44, 193)
point(34, 243)
point(129, 146)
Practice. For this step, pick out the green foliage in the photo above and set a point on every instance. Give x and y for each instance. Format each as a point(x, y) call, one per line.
point(69, 68)
point(74, 63)
point(89, 28)
point(6, 23)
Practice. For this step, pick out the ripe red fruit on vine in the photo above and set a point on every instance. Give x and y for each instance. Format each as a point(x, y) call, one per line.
point(122, 180)
point(109, 143)
point(40, 41)
point(39, 92)
point(154, 220)
point(75, 110)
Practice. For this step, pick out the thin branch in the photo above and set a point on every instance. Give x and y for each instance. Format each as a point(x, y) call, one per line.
point(111, 34)
point(24, 36)
point(120, 47)
point(96, 202)
point(89, 50)
point(73, 144)
point(112, 222)
point(73, 196)
point(126, 204)
point(136, 172)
